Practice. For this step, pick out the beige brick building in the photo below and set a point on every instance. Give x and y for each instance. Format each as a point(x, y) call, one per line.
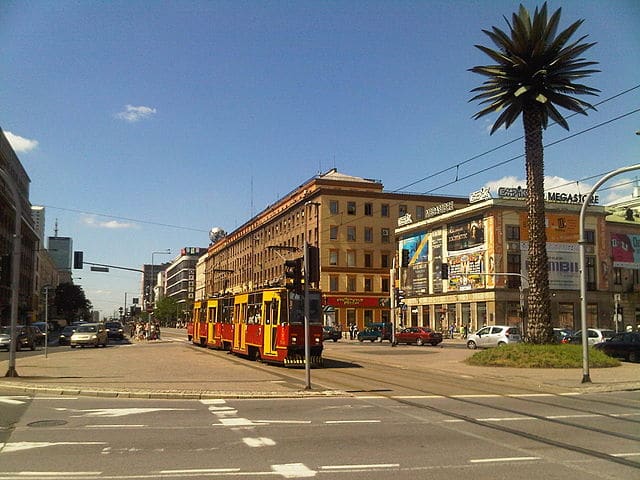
point(350, 219)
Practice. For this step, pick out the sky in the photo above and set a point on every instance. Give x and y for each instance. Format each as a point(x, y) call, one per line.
point(143, 124)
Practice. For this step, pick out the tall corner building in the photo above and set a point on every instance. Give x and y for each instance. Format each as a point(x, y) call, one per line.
point(352, 221)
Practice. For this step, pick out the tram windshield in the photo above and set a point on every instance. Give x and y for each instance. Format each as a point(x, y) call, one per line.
point(296, 308)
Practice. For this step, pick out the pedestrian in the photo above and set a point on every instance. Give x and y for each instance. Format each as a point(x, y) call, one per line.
point(452, 328)
point(465, 332)
point(351, 327)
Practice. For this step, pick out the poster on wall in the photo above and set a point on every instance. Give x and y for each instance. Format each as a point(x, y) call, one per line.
point(558, 227)
point(465, 270)
point(465, 235)
point(436, 259)
point(415, 276)
point(625, 250)
point(564, 265)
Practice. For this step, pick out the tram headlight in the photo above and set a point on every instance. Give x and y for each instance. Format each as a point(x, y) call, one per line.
point(294, 339)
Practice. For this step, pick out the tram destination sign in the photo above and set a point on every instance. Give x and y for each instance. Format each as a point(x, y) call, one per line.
point(520, 193)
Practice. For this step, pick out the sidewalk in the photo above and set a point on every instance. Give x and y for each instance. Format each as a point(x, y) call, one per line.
point(164, 369)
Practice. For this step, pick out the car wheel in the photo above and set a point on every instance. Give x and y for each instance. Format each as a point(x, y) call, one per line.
point(361, 340)
point(633, 357)
point(419, 342)
point(73, 346)
point(433, 344)
point(500, 344)
point(472, 345)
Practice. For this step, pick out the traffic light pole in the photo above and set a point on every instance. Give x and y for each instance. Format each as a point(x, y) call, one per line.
point(307, 340)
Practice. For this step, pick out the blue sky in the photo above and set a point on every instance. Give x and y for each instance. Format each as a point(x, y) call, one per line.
point(142, 124)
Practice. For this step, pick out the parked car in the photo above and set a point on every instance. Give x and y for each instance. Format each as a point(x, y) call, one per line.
point(622, 345)
point(65, 335)
point(115, 330)
point(41, 337)
point(27, 337)
point(419, 336)
point(331, 332)
point(562, 335)
point(90, 334)
point(376, 332)
point(595, 335)
point(494, 336)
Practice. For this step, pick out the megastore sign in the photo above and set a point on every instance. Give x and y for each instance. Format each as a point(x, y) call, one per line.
point(520, 193)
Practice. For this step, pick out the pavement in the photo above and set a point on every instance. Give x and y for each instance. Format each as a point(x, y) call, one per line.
point(166, 369)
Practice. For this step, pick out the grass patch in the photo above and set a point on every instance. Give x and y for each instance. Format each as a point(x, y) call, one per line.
point(526, 355)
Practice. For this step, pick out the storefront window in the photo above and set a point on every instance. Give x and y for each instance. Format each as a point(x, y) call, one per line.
point(351, 317)
point(566, 316)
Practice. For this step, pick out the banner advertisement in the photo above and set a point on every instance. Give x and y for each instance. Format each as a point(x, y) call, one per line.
point(436, 259)
point(464, 270)
point(464, 235)
point(416, 274)
point(625, 250)
point(564, 265)
point(559, 227)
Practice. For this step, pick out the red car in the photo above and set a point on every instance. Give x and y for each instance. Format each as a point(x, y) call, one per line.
point(419, 336)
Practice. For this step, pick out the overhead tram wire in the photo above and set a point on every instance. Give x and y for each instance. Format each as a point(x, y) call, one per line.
point(475, 157)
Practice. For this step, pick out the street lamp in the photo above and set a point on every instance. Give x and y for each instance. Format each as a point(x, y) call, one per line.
point(307, 339)
point(46, 318)
point(583, 269)
point(153, 280)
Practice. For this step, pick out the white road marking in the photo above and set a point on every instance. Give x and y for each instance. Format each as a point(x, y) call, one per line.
point(139, 425)
point(19, 446)
point(352, 421)
point(360, 467)
point(293, 470)
point(213, 401)
point(199, 470)
point(625, 454)
point(409, 397)
point(54, 474)
point(235, 422)
point(292, 422)
point(504, 459)
point(118, 412)
point(258, 442)
point(476, 396)
point(12, 400)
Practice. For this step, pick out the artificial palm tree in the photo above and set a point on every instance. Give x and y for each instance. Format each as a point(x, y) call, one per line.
point(535, 71)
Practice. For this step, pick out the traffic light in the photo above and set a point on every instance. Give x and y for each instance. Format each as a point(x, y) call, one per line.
point(399, 298)
point(293, 273)
point(5, 270)
point(405, 258)
point(77, 260)
point(444, 271)
point(314, 264)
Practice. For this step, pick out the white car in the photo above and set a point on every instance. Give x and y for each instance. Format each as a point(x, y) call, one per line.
point(494, 336)
point(596, 335)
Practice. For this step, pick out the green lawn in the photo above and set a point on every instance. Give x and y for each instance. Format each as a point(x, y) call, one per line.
point(525, 355)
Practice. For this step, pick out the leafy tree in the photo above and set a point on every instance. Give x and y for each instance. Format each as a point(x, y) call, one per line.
point(165, 310)
point(71, 302)
point(535, 71)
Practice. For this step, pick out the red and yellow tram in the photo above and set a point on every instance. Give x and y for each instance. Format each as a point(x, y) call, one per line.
point(265, 325)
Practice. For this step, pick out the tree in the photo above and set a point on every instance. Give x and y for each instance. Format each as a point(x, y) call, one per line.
point(535, 71)
point(71, 303)
point(165, 310)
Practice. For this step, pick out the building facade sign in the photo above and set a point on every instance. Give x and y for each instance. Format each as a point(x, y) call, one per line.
point(564, 265)
point(345, 301)
point(520, 193)
point(480, 195)
point(625, 250)
point(439, 210)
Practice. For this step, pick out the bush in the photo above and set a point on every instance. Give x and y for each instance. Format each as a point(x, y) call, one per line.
point(527, 355)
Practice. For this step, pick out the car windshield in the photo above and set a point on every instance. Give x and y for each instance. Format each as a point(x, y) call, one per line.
point(87, 328)
point(68, 330)
point(113, 325)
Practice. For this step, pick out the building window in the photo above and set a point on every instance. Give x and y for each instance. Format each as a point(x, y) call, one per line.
point(384, 260)
point(617, 276)
point(384, 210)
point(368, 285)
point(351, 258)
point(351, 284)
point(590, 236)
point(513, 232)
point(384, 284)
point(333, 232)
point(402, 210)
point(333, 257)
point(368, 317)
point(351, 208)
point(334, 283)
point(513, 266)
point(368, 234)
point(351, 234)
point(419, 212)
point(368, 260)
point(368, 209)
point(333, 207)
point(384, 234)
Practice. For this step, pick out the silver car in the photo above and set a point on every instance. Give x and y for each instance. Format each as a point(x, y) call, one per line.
point(90, 334)
point(494, 336)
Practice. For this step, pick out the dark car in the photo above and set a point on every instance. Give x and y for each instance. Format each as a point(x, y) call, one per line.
point(115, 330)
point(331, 332)
point(419, 336)
point(622, 345)
point(65, 335)
point(562, 335)
point(28, 337)
point(376, 332)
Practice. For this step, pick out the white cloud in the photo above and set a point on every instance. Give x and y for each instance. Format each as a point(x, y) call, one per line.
point(20, 144)
point(133, 114)
point(111, 224)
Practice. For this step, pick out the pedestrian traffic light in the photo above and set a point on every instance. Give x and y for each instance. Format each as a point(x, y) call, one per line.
point(399, 298)
point(293, 273)
point(77, 260)
point(314, 264)
point(405, 258)
point(444, 272)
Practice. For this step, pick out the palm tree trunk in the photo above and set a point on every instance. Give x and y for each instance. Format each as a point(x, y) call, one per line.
point(539, 306)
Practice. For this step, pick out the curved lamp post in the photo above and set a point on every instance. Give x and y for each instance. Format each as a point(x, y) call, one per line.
point(583, 264)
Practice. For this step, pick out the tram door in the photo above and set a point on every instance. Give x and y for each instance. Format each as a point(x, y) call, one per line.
point(240, 326)
point(270, 326)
